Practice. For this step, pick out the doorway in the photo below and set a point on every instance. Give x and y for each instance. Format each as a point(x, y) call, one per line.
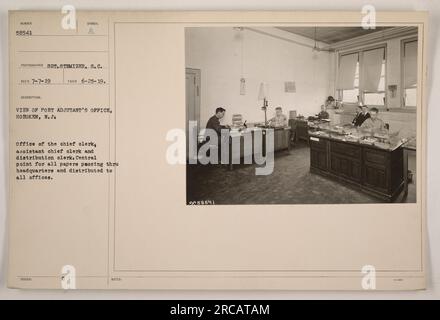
point(192, 85)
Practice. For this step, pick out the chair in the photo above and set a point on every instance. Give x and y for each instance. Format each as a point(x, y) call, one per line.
point(293, 136)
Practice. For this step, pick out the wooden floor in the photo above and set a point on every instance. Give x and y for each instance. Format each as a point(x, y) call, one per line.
point(290, 183)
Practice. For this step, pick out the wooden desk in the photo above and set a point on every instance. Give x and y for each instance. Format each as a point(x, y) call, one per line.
point(281, 142)
point(376, 171)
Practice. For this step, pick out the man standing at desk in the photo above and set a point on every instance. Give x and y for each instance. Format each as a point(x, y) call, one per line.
point(280, 120)
point(373, 123)
point(358, 114)
point(362, 116)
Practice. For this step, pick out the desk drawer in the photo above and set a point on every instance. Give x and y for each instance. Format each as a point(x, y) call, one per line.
point(376, 156)
point(318, 143)
point(346, 149)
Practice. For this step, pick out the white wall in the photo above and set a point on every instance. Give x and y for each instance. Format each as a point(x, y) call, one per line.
point(216, 52)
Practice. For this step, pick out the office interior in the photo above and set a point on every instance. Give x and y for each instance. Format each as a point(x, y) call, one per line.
point(320, 80)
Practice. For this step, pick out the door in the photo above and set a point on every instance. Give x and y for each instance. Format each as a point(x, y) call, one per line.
point(192, 84)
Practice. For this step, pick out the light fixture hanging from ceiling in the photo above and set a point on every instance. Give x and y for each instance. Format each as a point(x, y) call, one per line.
point(316, 47)
point(242, 79)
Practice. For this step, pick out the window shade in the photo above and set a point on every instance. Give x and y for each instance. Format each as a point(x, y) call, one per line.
point(347, 70)
point(410, 64)
point(372, 67)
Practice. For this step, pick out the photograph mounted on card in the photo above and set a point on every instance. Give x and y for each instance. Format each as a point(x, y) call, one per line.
point(217, 150)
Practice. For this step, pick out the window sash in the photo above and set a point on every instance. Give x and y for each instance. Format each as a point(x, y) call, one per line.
point(410, 63)
point(372, 69)
point(359, 76)
point(347, 70)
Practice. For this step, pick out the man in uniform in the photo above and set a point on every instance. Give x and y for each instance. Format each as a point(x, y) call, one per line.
point(373, 123)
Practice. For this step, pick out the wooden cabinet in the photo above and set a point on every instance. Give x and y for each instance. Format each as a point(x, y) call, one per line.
point(375, 177)
point(376, 169)
point(373, 170)
point(281, 138)
point(318, 154)
point(345, 160)
point(345, 167)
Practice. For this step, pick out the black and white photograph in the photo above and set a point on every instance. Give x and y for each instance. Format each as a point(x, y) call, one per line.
point(301, 114)
point(295, 160)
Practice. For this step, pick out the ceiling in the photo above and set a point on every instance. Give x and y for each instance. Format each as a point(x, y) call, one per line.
point(331, 35)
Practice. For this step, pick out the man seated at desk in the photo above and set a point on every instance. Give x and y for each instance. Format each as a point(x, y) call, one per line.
point(280, 120)
point(323, 115)
point(330, 102)
point(361, 116)
point(214, 122)
point(373, 123)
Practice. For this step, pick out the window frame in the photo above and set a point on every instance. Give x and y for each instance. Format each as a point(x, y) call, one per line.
point(341, 91)
point(358, 68)
point(403, 42)
point(384, 91)
point(361, 92)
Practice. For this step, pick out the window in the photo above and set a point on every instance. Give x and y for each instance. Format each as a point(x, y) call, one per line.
point(367, 77)
point(348, 77)
point(352, 95)
point(410, 97)
point(409, 72)
point(377, 98)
